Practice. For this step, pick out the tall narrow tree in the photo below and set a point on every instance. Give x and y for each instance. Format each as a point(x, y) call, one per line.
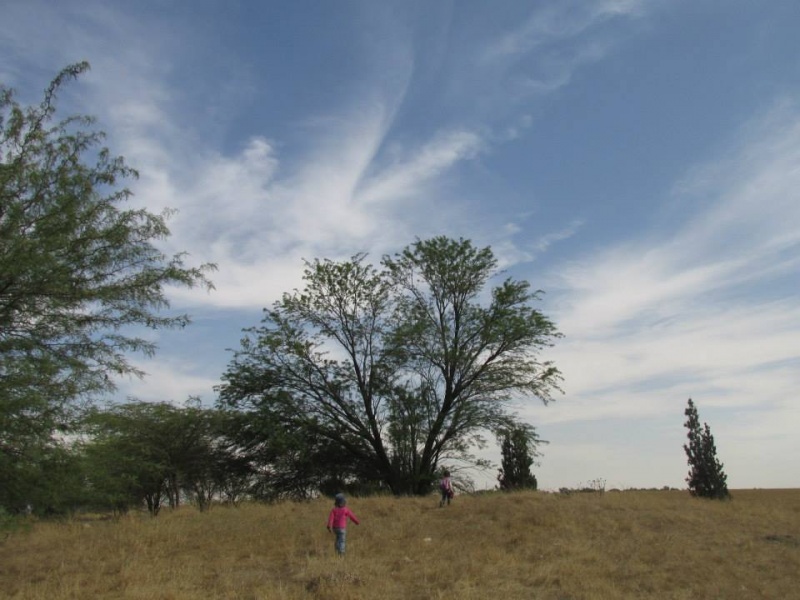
point(706, 477)
point(518, 453)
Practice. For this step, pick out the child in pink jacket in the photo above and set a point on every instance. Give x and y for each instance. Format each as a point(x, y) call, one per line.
point(337, 522)
point(446, 488)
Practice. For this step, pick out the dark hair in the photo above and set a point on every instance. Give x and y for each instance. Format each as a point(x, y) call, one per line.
point(446, 473)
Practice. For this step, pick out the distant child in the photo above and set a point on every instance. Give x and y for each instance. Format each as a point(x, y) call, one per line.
point(446, 487)
point(337, 522)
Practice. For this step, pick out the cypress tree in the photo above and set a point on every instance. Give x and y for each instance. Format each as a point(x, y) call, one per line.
point(706, 478)
point(518, 448)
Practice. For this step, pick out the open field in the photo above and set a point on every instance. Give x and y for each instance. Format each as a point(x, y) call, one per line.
point(527, 545)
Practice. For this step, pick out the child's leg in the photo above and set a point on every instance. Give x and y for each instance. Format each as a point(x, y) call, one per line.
point(341, 535)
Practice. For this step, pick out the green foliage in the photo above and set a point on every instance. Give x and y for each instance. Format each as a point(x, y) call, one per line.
point(78, 271)
point(10, 524)
point(43, 477)
point(402, 367)
point(518, 450)
point(706, 478)
point(151, 452)
point(283, 461)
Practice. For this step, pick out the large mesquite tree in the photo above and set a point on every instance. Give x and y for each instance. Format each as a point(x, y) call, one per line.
point(402, 367)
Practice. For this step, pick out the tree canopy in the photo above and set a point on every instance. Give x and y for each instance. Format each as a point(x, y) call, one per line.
point(79, 271)
point(405, 366)
point(149, 451)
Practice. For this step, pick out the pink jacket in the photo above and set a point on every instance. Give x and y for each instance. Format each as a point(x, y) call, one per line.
point(339, 515)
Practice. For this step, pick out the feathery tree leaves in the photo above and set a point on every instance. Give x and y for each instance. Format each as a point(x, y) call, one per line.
point(401, 367)
point(79, 271)
point(154, 451)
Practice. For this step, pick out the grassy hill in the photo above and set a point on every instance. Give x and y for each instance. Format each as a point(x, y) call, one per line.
point(631, 544)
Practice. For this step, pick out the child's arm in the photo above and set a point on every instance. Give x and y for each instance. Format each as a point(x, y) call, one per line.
point(330, 520)
point(353, 518)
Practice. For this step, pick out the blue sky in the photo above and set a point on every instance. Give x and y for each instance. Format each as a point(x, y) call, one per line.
point(639, 161)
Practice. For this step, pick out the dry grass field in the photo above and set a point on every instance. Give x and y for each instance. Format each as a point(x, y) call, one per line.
point(528, 545)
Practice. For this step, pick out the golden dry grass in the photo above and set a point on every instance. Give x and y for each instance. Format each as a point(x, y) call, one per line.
point(527, 545)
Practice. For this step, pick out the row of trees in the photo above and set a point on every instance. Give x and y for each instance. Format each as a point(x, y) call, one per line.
point(151, 454)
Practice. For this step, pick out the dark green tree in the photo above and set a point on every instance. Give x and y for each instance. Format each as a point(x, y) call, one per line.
point(518, 453)
point(122, 474)
point(706, 478)
point(207, 465)
point(128, 455)
point(400, 367)
point(282, 461)
point(79, 274)
point(150, 452)
point(48, 480)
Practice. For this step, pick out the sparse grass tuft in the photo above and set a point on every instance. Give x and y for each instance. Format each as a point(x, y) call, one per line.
point(636, 544)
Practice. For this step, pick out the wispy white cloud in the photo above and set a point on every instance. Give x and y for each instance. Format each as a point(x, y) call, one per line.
point(405, 177)
point(555, 23)
point(714, 352)
point(513, 248)
point(547, 240)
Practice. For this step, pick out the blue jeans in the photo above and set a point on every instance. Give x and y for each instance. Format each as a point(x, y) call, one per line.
point(341, 536)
